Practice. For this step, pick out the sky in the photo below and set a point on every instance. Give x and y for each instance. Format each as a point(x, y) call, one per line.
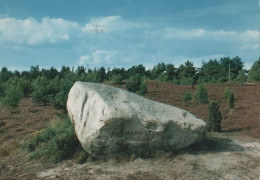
point(123, 33)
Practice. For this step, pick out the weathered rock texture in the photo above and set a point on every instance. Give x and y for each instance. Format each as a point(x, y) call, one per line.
point(111, 120)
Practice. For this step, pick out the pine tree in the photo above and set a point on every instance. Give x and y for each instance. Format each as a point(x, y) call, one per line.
point(41, 90)
point(215, 117)
point(12, 96)
point(202, 94)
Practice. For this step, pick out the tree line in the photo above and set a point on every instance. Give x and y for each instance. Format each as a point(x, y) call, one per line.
point(52, 85)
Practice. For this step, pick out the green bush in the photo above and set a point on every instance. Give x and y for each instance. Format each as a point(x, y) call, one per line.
point(254, 72)
point(55, 143)
point(137, 84)
point(231, 101)
point(25, 86)
point(186, 97)
point(117, 79)
point(1, 89)
point(230, 97)
point(227, 93)
point(202, 94)
point(186, 80)
point(215, 117)
point(134, 83)
point(41, 90)
point(143, 88)
point(11, 96)
point(59, 99)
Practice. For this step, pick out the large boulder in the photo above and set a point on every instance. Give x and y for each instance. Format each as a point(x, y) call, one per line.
point(111, 120)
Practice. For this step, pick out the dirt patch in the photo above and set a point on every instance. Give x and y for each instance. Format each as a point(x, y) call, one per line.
point(233, 157)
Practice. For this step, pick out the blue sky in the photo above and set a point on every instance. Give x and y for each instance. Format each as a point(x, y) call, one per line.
point(122, 33)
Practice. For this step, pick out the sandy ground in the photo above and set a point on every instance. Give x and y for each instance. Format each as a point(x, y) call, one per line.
point(228, 157)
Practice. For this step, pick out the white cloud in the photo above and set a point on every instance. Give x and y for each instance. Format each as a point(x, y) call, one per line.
point(111, 24)
point(30, 31)
point(251, 34)
point(99, 58)
point(195, 33)
point(183, 34)
point(256, 46)
point(250, 47)
point(84, 60)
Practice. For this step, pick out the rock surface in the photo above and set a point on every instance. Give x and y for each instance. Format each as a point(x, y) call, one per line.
point(111, 120)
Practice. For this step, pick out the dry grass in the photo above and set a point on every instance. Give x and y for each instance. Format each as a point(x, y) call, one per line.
point(17, 125)
point(20, 124)
point(244, 118)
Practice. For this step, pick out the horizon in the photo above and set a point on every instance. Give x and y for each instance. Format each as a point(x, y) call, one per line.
point(119, 33)
point(73, 68)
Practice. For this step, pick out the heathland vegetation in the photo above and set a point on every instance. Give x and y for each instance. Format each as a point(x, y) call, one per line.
point(51, 87)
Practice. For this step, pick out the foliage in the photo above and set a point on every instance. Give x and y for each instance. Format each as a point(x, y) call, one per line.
point(186, 97)
point(211, 71)
point(25, 86)
point(96, 75)
point(215, 71)
point(34, 72)
point(231, 101)
point(12, 96)
point(157, 70)
point(163, 77)
point(137, 84)
point(202, 94)
point(241, 77)
point(55, 143)
point(186, 80)
point(41, 89)
point(137, 70)
point(143, 88)
point(5, 74)
point(134, 83)
point(227, 93)
point(52, 85)
point(215, 117)
point(117, 79)
point(116, 71)
point(171, 72)
point(254, 73)
point(61, 88)
point(186, 70)
point(236, 65)
point(1, 89)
